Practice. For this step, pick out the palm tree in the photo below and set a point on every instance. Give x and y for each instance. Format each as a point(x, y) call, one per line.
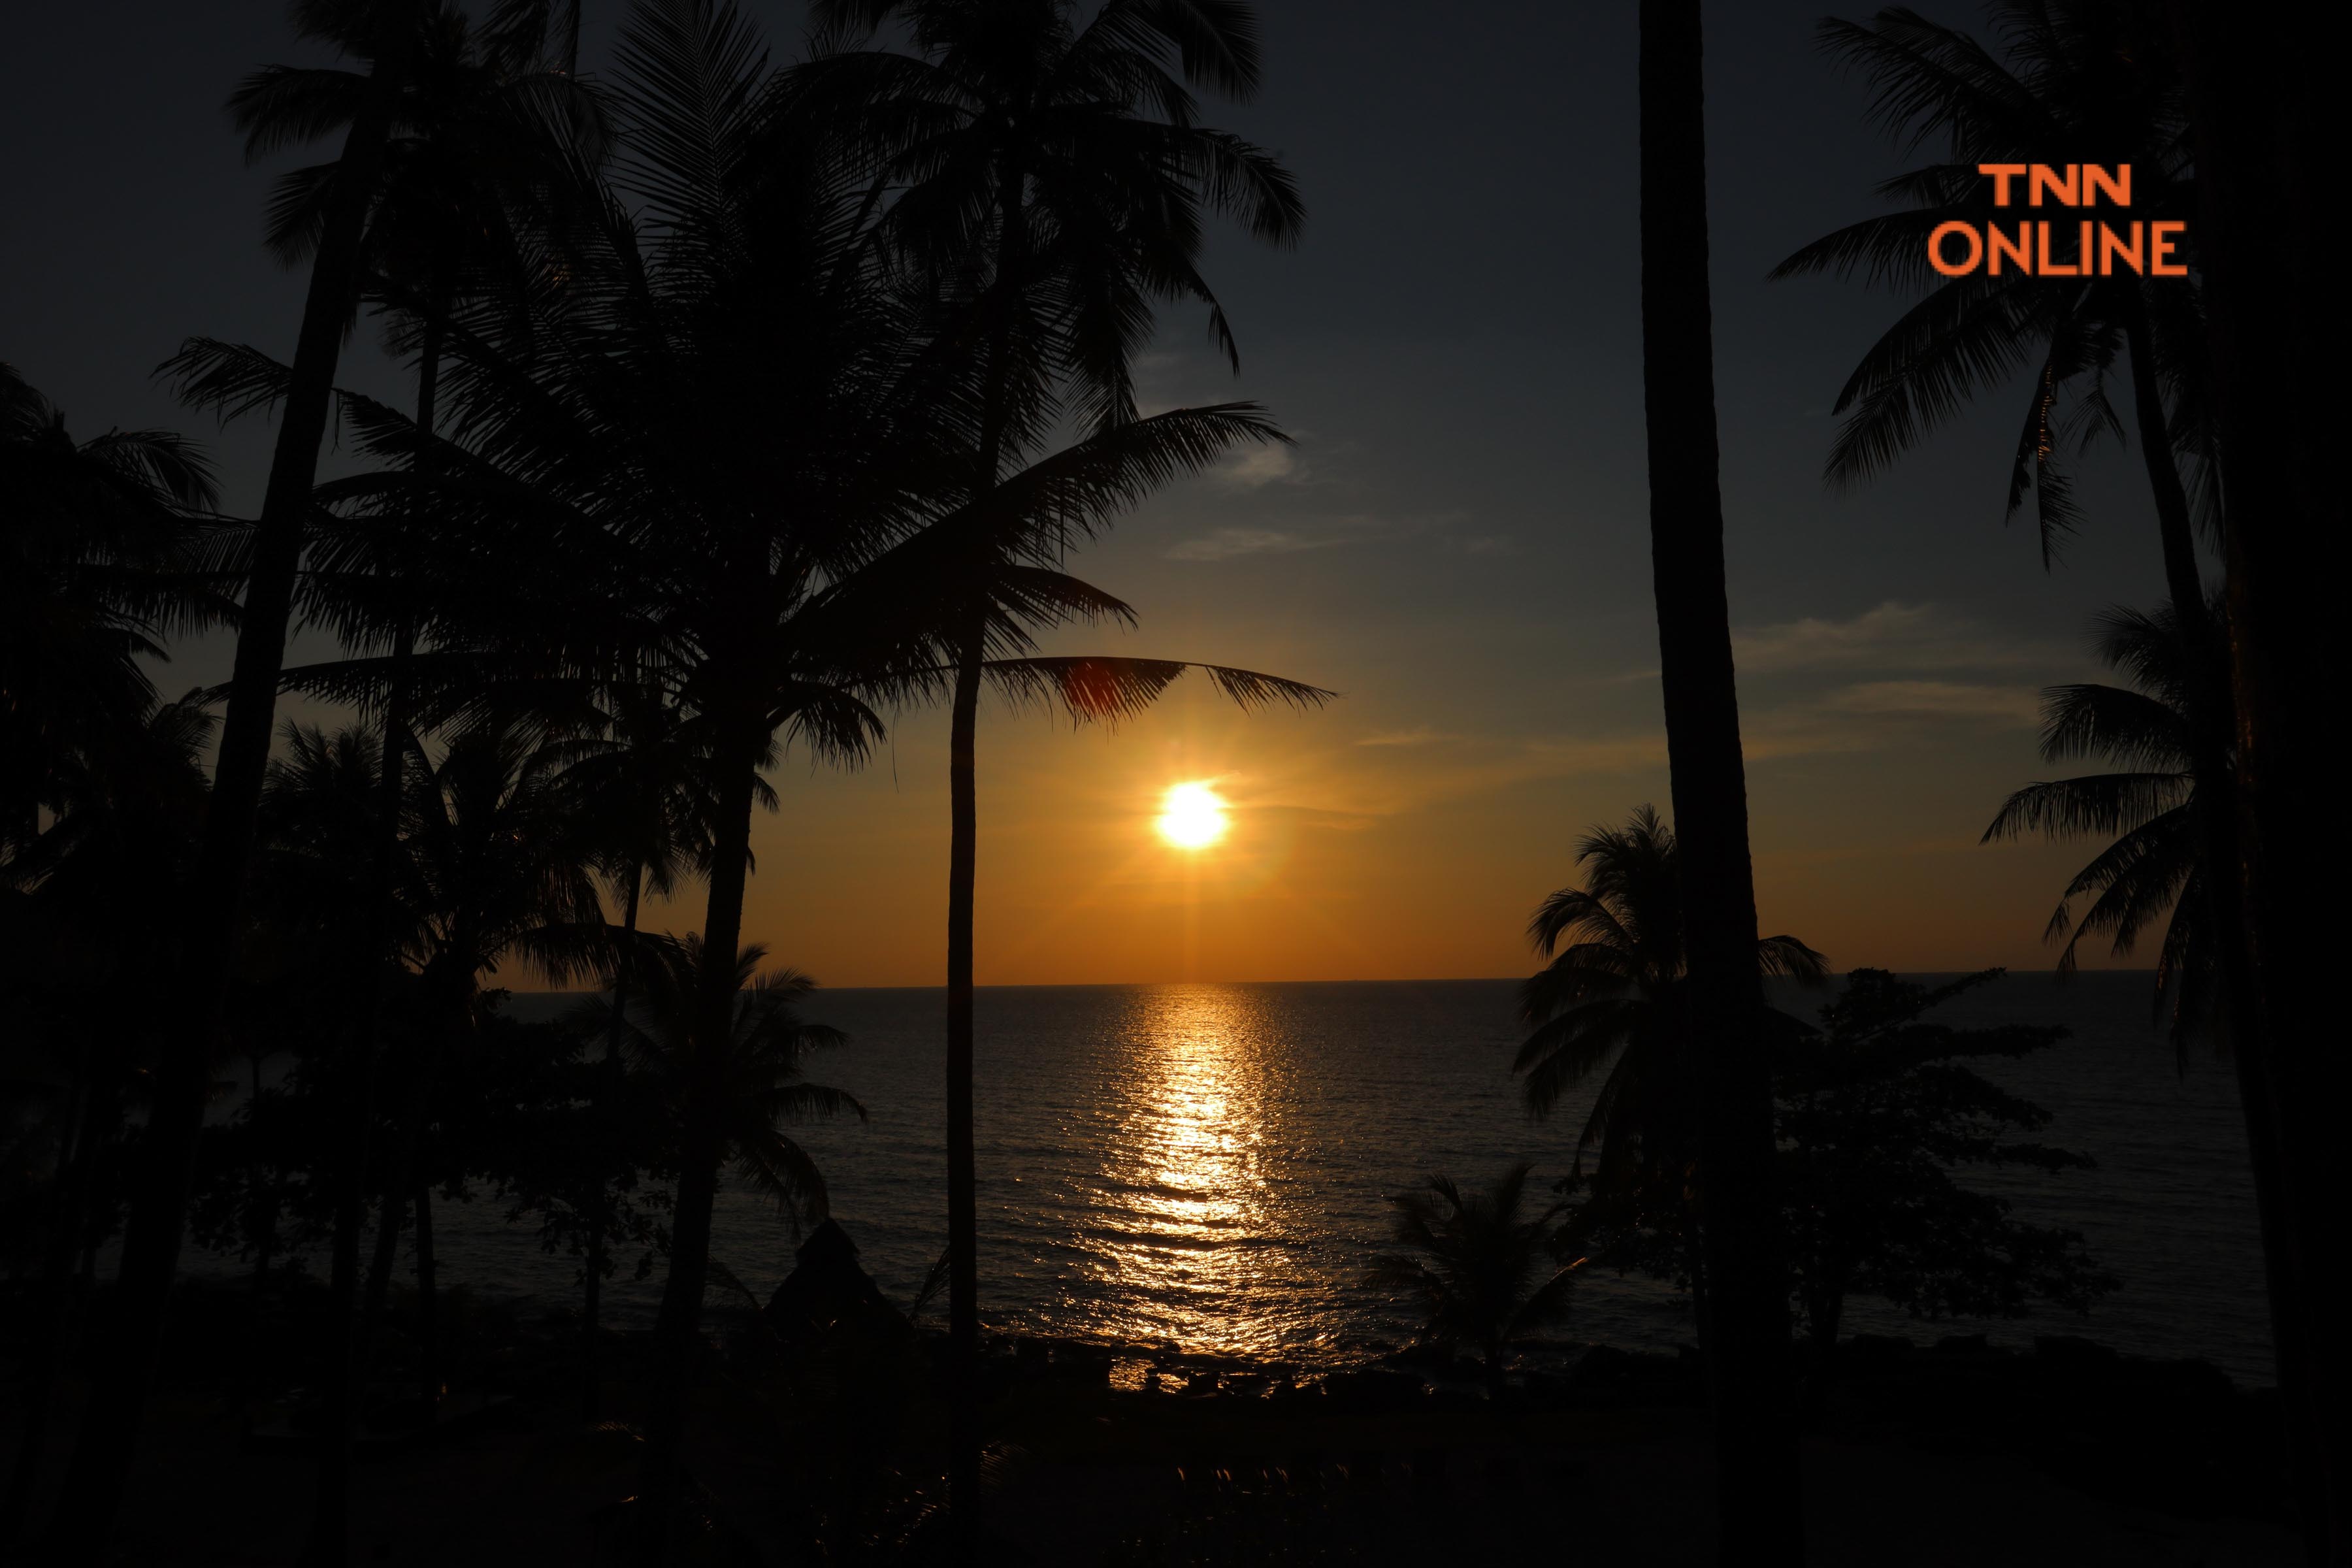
point(2083, 81)
point(477, 124)
point(762, 1069)
point(103, 544)
point(1613, 997)
point(151, 1252)
point(632, 772)
point(2152, 870)
point(697, 447)
point(1758, 1478)
point(1479, 1266)
point(86, 902)
point(495, 866)
point(2088, 81)
point(1053, 181)
point(2256, 106)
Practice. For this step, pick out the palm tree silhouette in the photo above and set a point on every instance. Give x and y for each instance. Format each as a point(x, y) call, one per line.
point(761, 1066)
point(699, 446)
point(2095, 83)
point(1758, 1478)
point(103, 544)
point(92, 1490)
point(1478, 1266)
point(2152, 869)
point(2259, 99)
point(496, 864)
point(2081, 83)
point(1054, 183)
point(476, 125)
point(84, 902)
point(1613, 997)
point(632, 773)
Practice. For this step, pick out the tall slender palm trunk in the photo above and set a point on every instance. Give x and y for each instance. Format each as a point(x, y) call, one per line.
point(1760, 1517)
point(2208, 703)
point(53, 1337)
point(677, 1331)
point(214, 901)
point(963, 836)
point(387, 827)
point(329, 1538)
point(600, 1203)
point(351, 1326)
point(2255, 94)
point(963, 1198)
point(428, 1316)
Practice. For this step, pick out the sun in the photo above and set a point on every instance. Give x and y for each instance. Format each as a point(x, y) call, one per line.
point(1191, 816)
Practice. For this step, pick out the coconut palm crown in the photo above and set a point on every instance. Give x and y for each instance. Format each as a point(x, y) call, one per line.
point(1610, 1001)
point(2145, 808)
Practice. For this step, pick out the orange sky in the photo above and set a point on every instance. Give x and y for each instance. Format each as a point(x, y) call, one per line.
point(1363, 850)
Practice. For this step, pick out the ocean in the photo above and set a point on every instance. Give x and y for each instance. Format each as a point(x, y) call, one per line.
point(1206, 1166)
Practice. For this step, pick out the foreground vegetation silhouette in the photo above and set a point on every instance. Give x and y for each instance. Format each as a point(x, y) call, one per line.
point(755, 410)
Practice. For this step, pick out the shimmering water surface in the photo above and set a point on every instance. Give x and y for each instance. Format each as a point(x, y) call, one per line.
point(1206, 1164)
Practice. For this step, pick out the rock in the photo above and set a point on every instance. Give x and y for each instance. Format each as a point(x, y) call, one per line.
point(827, 1295)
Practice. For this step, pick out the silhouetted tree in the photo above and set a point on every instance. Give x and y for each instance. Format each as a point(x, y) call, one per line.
point(762, 1069)
point(110, 1427)
point(1054, 180)
point(83, 903)
point(2085, 80)
point(1478, 1267)
point(1613, 997)
point(1876, 1113)
point(2261, 106)
point(2079, 82)
point(103, 542)
point(634, 774)
point(1758, 1485)
point(2153, 869)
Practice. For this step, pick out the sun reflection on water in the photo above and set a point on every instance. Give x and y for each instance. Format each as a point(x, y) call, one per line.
point(1191, 1224)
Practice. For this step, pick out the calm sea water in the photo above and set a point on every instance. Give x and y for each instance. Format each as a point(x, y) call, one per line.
point(1206, 1164)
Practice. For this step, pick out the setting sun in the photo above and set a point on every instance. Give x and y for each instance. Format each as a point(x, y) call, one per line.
point(1191, 816)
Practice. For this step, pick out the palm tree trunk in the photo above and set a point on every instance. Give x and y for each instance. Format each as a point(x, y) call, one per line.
point(600, 1208)
point(329, 1542)
point(352, 1328)
point(676, 1333)
point(2208, 703)
point(428, 1317)
point(1761, 1522)
point(400, 1179)
point(963, 1182)
point(403, 653)
point(2175, 529)
point(963, 834)
point(265, 1202)
point(213, 908)
point(2254, 96)
point(52, 1343)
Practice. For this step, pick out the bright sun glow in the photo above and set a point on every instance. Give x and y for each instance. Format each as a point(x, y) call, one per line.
point(1191, 816)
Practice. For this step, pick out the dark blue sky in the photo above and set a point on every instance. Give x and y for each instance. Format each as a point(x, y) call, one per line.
point(1458, 541)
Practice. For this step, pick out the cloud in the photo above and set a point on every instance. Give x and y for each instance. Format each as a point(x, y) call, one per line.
point(1258, 467)
point(1891, 637)
point(1224, 543)
point(1885, 715)
point(1940, 698)
point(1424, 736)
point(1323, 530)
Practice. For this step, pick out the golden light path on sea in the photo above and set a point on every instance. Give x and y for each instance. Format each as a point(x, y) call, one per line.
point(1198, 1231)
